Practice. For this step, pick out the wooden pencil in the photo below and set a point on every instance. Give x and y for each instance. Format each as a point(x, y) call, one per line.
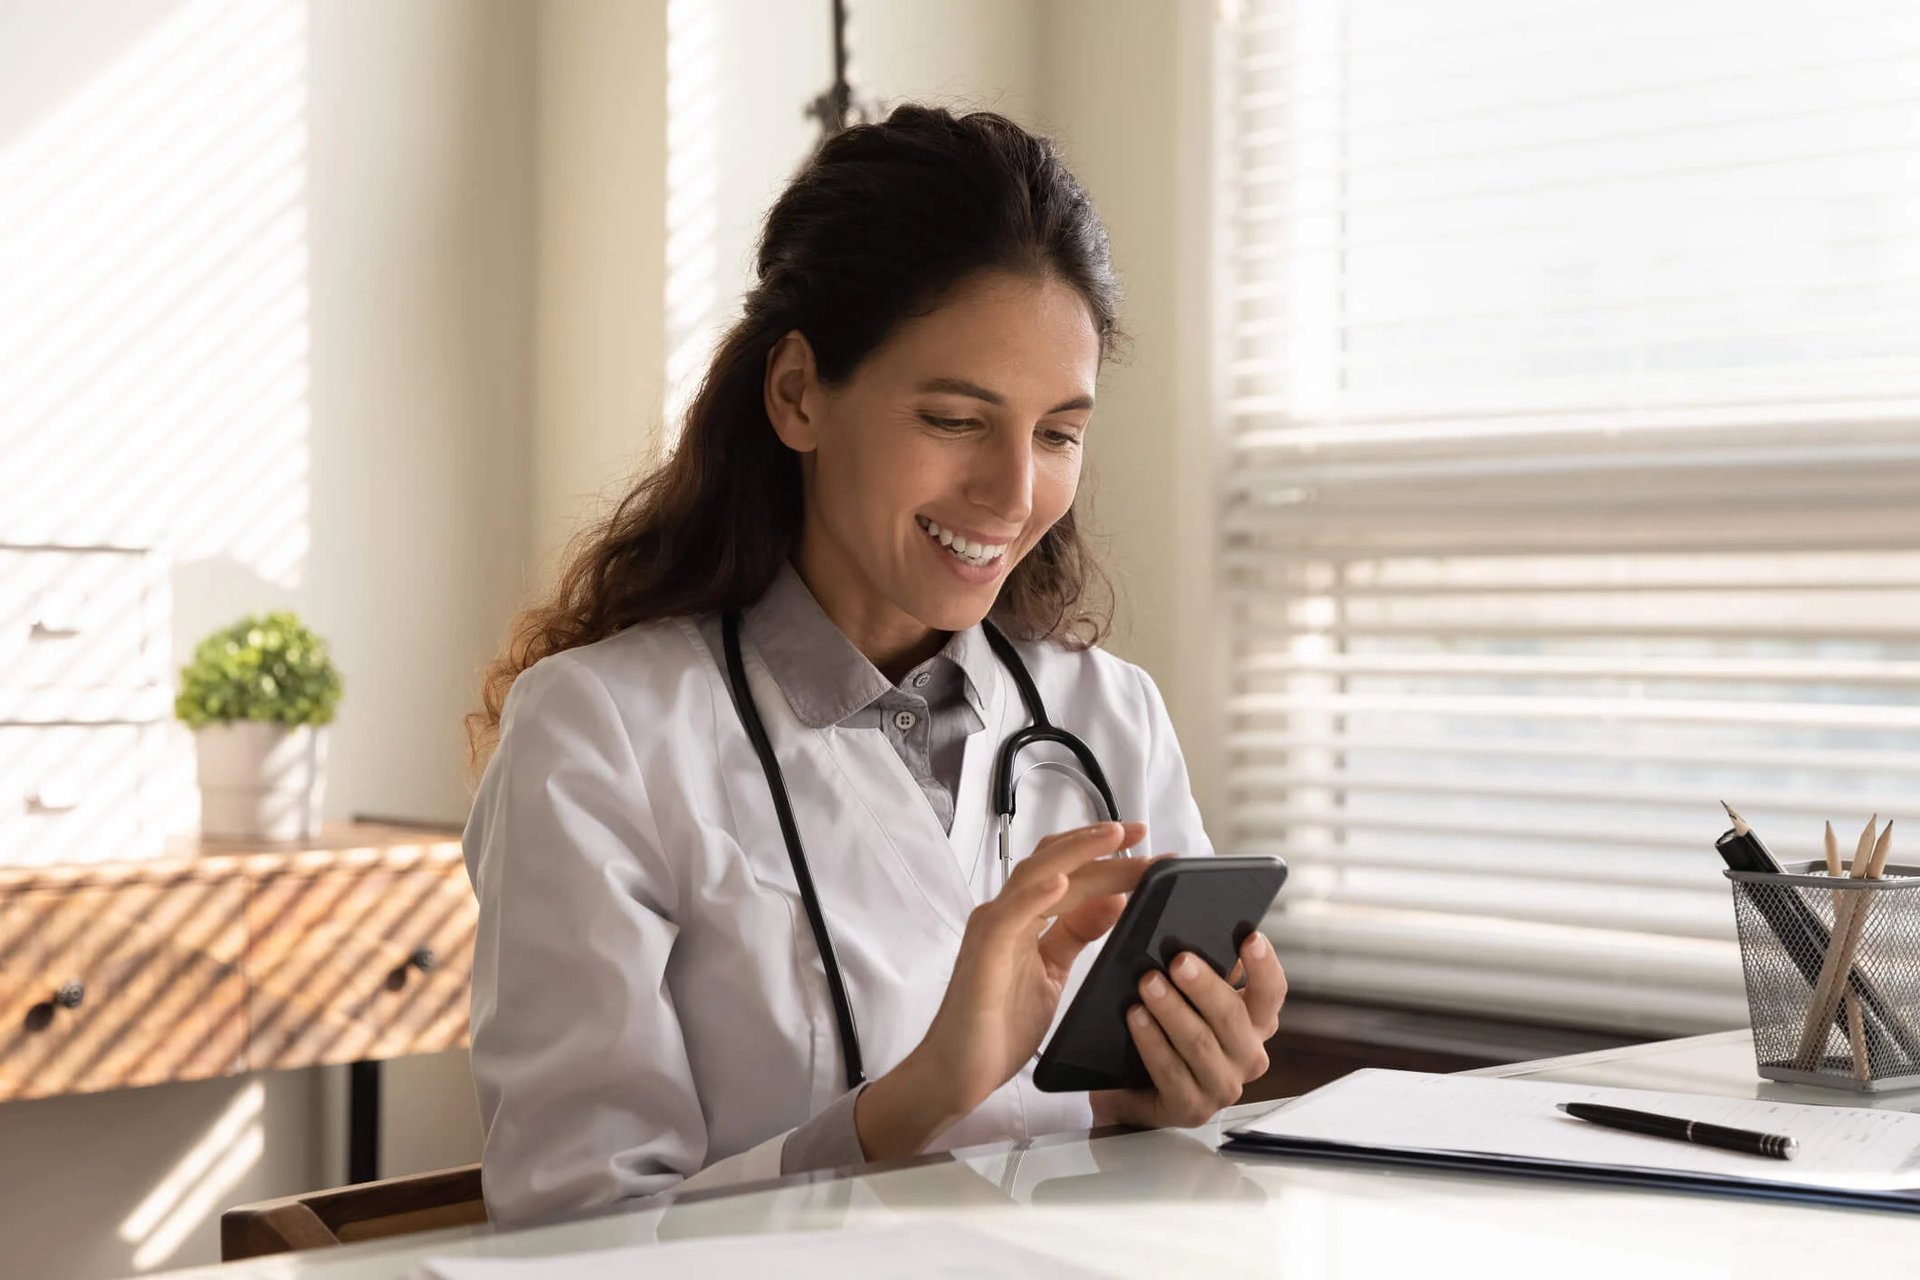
point(1856, 1022)
point(1813, 1035)
point(1836, 973)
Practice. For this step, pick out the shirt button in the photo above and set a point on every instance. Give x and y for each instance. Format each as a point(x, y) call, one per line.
point(904, 720)
point(920, 681)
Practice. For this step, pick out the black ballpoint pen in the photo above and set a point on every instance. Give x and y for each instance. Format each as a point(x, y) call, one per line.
point(1750, 1141)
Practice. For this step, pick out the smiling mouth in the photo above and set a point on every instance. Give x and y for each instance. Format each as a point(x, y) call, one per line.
point(970, 552)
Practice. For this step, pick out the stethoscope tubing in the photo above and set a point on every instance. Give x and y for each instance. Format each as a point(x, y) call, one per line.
point(796, 854)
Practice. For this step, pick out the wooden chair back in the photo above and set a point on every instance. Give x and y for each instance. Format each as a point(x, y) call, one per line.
point(341, 1215)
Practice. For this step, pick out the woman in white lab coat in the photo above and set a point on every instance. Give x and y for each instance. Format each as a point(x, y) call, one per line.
point(885, 449)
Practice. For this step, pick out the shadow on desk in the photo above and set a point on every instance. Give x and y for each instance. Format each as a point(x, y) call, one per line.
point(1146, 1167)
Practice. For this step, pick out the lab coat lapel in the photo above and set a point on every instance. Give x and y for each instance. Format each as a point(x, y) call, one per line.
point(846, 782)
point(842, 794)
point(947, 869)
point(905, 836)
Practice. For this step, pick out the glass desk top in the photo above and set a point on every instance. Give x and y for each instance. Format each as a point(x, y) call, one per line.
point(1166, 1203)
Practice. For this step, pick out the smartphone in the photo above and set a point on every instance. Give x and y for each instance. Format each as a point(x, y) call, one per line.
point(1204, 905)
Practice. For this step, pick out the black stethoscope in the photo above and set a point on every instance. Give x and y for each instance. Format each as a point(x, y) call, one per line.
point(1004, 786)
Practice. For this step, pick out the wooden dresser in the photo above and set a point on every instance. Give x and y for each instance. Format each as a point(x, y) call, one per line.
point(349, 948)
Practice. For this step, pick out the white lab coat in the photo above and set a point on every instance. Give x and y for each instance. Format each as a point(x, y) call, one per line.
point(648, 1002)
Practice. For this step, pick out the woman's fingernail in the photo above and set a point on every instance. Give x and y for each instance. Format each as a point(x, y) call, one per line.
point(1137, 1016)
point(1257, 945)
point(1187, 967)
point(1156, 985)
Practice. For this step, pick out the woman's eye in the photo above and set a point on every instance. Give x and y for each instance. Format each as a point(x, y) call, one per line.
point(1061, 439)
point(948, 424)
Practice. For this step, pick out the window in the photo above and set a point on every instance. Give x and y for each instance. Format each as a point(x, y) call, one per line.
point(1573, 392)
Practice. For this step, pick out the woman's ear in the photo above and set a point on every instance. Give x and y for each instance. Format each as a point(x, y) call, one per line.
point(792, 392)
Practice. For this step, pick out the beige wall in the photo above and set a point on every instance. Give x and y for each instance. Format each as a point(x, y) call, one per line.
point(956, 53)
point(1125, 90)
point(600, 196)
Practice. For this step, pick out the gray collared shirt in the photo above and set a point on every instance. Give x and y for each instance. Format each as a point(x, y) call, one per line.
point(926, 718)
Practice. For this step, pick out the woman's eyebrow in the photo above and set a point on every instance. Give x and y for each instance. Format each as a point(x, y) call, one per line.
point(961, 387)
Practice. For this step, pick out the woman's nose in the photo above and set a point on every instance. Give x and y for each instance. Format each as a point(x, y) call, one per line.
point(1002, 479)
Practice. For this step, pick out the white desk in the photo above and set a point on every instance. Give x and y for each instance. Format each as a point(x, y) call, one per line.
point(1166, 1204)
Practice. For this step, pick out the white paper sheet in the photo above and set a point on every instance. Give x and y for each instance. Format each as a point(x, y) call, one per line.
point(1846, 1148)
point(932, 1249)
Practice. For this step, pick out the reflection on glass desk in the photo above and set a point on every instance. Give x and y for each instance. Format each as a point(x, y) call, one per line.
point(1167, 1204)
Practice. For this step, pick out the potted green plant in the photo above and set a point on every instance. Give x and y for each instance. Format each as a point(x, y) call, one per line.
point(258, 696)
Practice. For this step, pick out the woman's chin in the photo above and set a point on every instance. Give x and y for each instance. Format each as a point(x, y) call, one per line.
point(955, 607)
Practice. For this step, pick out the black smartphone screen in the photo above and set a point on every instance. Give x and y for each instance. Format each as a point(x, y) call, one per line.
point(1204, 905)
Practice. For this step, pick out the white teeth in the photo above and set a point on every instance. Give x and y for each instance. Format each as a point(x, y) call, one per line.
point(972, 552)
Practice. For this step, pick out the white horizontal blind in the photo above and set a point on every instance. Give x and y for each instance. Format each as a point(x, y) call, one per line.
point(1573, 385)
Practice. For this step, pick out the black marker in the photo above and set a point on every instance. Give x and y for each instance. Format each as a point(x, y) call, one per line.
point(1742, 848)
point(1747, 1141)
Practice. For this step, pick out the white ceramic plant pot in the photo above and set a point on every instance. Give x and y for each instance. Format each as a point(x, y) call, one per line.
point(261, 781)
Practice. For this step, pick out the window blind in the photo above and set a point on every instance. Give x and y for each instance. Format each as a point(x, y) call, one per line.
point(1571, 380)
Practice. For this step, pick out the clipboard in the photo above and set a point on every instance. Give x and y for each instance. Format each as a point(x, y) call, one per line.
point(1567, 1171)
point(1644, 1171)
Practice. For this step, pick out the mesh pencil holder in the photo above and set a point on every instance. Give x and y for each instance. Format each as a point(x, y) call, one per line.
point(1816, 1019)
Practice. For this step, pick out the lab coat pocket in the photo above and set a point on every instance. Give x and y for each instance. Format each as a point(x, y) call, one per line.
point(792, 974)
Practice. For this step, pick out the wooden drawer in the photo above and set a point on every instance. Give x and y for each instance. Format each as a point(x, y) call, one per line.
point(159, 964)
point(81, 618)
point(331, 964)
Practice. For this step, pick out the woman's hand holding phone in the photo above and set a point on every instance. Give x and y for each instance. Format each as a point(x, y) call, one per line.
point(1006, 986)
point(1201, 1043)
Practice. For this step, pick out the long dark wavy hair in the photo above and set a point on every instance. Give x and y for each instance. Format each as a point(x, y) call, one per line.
point(880, 224)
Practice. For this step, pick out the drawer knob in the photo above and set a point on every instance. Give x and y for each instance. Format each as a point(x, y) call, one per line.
point(53, 797)
point(425, 959)
point(70, 995)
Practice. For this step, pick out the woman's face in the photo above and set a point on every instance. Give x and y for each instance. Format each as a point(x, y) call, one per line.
point(963, 430)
